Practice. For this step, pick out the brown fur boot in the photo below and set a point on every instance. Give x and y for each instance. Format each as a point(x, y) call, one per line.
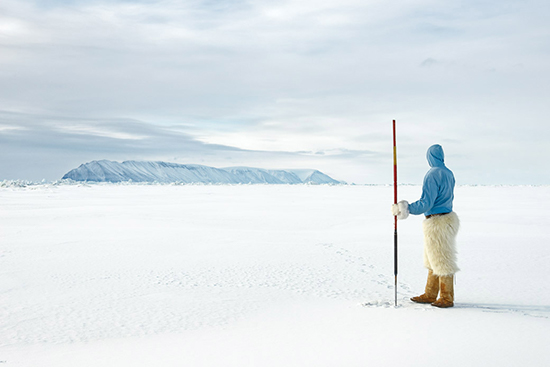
point(446, 299)
point(432, 289)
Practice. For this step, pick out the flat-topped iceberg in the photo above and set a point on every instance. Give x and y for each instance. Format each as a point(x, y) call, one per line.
point(144, 171)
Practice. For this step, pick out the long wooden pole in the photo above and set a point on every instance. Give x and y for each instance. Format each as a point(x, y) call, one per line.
point(395, 218)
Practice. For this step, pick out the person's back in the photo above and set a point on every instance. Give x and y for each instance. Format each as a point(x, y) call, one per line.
point(438, 186)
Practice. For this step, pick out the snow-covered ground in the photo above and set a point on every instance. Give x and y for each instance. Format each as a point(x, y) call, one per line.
point(267, 275)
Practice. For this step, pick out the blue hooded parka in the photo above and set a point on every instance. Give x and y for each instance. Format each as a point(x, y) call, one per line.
point(438, 187)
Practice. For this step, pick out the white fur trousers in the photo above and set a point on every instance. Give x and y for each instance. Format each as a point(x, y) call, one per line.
point(440, 243)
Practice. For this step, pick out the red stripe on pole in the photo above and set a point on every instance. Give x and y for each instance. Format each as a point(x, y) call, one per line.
point(394, 170)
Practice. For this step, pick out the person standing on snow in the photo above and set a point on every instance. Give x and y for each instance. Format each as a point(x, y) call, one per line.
point(440, 228)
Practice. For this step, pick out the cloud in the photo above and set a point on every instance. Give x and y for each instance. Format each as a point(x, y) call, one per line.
point(47, 147)
point(36, 147)
point(164, 79)
point(429, 62)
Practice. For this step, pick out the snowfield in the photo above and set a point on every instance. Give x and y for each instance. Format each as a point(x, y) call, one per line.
point(264, 275)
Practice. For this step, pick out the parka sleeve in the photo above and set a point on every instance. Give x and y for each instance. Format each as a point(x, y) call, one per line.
point(429, 194)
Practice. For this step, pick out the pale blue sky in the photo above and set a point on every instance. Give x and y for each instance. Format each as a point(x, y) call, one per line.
point(286, 84)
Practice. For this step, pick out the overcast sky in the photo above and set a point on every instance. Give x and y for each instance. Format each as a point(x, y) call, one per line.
point(278, 84)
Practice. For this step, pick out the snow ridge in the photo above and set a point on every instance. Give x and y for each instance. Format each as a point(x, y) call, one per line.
point(145, 171)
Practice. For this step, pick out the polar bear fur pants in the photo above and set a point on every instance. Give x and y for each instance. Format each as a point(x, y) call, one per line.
point(440, 243)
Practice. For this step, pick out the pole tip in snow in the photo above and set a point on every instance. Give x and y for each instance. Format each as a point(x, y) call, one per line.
point(396, 291)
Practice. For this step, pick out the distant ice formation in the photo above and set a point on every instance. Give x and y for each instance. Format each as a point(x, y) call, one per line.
point(135, 171)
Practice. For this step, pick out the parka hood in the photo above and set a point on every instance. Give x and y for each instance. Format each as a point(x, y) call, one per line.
point(435, 156)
